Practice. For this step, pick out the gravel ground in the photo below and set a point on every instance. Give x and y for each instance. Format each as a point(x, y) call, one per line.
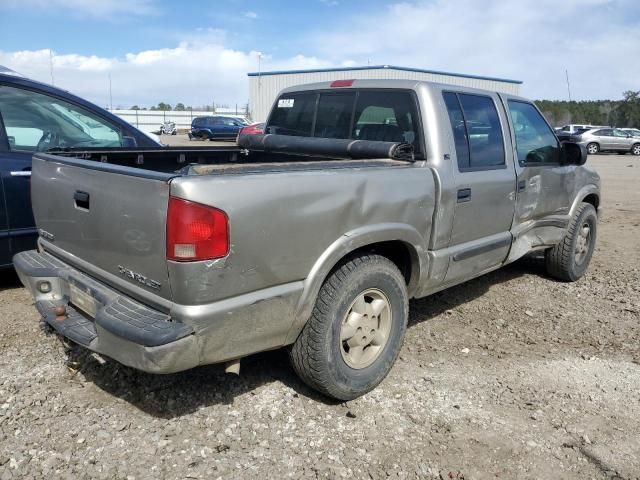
point(512, 375)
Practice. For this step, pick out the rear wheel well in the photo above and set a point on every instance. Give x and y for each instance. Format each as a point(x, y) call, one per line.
point(399, 252)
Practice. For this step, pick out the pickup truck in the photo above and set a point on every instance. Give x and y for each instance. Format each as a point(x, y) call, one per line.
point(313, 236)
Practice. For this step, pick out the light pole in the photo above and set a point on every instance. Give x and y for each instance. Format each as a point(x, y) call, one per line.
point(110, 96)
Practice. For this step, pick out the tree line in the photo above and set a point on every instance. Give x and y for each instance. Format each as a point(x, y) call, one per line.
point(180, 107)
point(616, 113)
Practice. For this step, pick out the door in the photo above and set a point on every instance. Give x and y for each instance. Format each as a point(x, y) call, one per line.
point(621, 140)
point(36, 122)
point(485, 183)
point(5, 245)
point(545, 186)
point(605, 138)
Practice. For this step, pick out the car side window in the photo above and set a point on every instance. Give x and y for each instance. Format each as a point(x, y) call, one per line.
point(605, 132)
point(388, 117)
point(619, 133)
point(535, 142)
point(39, 122)
point(476, 130)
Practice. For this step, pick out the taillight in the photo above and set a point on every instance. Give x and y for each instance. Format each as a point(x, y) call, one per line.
point(341, 83)
point(195, 231)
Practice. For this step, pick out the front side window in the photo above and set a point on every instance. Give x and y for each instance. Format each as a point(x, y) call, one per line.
point(293, 115)
point(476, 130)
point(38, 122)
point(619, 133)
point(535, 142)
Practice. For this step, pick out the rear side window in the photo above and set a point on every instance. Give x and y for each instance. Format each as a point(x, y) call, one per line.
point(293, 115)
point(476, 130)
point(386, 116)
point(535, 142)
point(606, 132)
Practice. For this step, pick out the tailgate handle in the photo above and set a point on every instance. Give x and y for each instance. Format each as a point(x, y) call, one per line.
point(464, 195)
point(81, 199)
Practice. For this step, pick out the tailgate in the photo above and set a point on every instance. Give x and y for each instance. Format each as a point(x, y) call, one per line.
point(110, 216)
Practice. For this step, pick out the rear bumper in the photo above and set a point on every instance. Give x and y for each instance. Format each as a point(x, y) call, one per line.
point(117, 326)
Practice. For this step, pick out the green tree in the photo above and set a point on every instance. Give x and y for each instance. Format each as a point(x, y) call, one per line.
point(135, 107)
point(163, 106)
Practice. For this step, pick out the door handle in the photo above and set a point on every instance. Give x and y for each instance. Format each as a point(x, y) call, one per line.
point(81, 199)
point(464, 195)
point(522, 186)
point(21, 173)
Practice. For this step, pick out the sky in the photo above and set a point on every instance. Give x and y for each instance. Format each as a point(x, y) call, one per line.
point(199, 52)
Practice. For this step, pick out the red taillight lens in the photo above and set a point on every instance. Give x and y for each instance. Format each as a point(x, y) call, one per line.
point(195, 231)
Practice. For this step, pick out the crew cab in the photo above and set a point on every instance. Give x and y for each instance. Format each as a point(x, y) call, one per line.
point(313, 236)
point(35, 117)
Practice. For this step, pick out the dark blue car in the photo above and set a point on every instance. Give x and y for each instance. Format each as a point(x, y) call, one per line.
point(35, 117)
point(216, 127)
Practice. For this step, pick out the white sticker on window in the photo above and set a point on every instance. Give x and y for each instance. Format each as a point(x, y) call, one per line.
point(285, 103)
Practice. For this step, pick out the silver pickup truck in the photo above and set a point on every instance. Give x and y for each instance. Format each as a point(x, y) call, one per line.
point(360, 196)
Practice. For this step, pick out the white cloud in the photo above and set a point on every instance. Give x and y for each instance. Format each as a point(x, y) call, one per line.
point(530, 40)
point(251, 15)
point(197, 71)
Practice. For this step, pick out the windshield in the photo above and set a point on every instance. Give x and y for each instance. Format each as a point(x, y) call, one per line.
point(38, 122)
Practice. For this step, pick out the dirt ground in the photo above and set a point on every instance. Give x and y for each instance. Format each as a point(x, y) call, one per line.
point(512, 375)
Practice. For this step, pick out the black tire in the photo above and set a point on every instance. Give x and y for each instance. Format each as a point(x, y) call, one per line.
point(593, 148)
point(317, 355)
point(562, 261)
point(635, 149)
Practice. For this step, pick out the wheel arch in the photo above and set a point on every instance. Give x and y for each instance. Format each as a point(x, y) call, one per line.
point(589, 194)
point(400, 243)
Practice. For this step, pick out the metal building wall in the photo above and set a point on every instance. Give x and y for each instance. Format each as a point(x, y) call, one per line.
point(264, 89)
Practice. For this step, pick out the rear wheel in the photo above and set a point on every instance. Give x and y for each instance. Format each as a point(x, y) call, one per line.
point(593, 148)
point(569, 259)
point(636, 149)
point(355, 332)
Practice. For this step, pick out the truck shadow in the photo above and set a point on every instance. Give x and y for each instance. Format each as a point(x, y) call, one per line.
point(9, 279)
point(176, 395)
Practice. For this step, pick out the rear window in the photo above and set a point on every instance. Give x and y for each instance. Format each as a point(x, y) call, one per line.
point(293, 115)
point(199, 121)
point(379, 115)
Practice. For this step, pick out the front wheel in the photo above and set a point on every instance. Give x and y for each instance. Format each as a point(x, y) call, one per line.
point(593, 148)
point(568, 260)
point(355, 332)
point(636, 149)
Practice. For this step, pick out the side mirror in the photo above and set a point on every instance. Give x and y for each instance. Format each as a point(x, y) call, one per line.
point(573, 154)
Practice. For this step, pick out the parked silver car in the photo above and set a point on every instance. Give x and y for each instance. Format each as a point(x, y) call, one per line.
point(608, 140)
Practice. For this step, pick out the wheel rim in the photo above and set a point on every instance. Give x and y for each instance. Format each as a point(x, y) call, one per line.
point(365, 329)
point(593, 149)
point(583, 243)
point(636, 150)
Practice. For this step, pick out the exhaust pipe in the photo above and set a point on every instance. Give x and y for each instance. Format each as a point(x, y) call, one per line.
point(233, 367)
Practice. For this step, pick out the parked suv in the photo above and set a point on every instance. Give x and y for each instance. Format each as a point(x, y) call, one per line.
point(218, 128)
point(35, 117)
point(608, 140)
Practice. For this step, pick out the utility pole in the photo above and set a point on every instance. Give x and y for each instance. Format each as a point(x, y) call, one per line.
point(51, 65)
point(110, 96)
point(566, 72)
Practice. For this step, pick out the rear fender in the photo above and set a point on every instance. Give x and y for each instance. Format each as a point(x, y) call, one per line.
point(343, 246)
